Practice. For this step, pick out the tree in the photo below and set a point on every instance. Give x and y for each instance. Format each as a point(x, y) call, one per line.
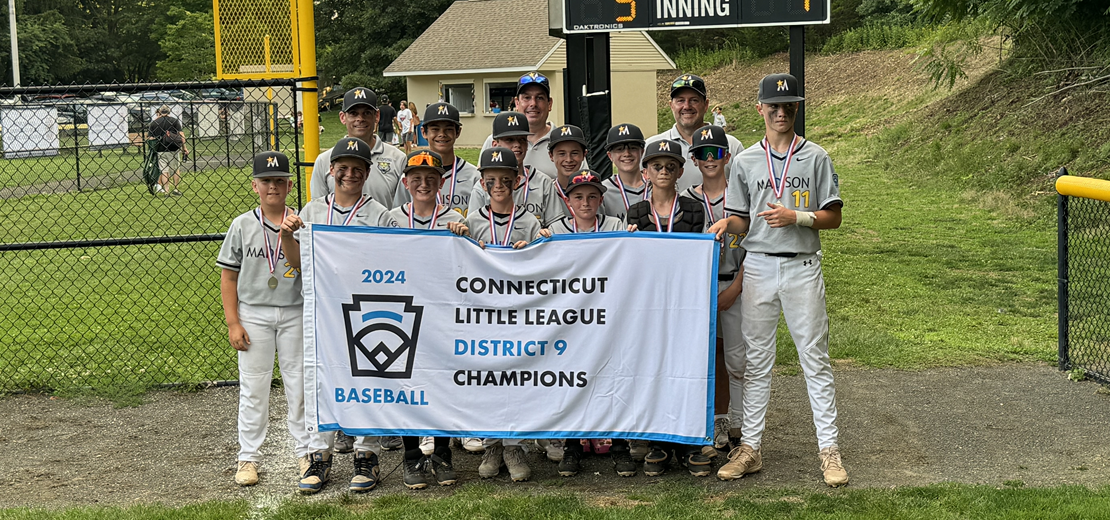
point(47, 53)
point(189, 46)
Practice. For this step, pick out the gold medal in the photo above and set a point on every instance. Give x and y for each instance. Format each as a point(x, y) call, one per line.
point(273, 282)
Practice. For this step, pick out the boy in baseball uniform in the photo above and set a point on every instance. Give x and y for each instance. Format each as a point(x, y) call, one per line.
point(510, 130)
point(261, 295)
point(665, 210)
point(783, 190)
point(347, 206)
point(441, 129)
point(584, 194)
point(625, 147)
point(501, 223)
point(567, 148)
point(710, 153)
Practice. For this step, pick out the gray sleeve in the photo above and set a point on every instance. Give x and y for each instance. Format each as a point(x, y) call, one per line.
point(826, 184)
point(231, 251)
point(387, 220)
point(488, 143)
point(737, 191)
point(401, 196)
point(319, 184)
point(532, 229)
point(478, 198)
point(554, 207)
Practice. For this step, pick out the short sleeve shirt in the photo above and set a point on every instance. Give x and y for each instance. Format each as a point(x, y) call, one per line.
point(245, 251)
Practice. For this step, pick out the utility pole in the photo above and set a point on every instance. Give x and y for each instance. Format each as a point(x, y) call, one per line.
point(15, 43)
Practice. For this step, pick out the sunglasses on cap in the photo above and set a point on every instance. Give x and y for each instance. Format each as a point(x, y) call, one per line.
point(533, 78)
point(425, 159)
point(686, 81)
point(584, 177)
point(707, 153)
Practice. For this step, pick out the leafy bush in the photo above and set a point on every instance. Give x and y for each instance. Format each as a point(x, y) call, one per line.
point(877, 37)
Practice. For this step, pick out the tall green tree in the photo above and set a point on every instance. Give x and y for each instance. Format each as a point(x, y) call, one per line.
point(189, 45)
point(47, 53)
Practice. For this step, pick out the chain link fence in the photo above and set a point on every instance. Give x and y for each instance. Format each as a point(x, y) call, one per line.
point(109, 263)
point(1083, 217)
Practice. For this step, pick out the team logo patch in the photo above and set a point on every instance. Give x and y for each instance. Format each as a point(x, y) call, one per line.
point(836, 180)
point(707, 134)
point(783, 86)
point(360, 94)
point(271, 162)
point(382, 333)
point(383, 166)
point(352, 145)
point(495, 157)
point(623, 130)
point(664, 146)
point(442, 109)
point(565, 131)
point(512, 121)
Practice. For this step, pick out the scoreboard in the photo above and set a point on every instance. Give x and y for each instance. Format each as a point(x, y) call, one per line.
point(600, 16)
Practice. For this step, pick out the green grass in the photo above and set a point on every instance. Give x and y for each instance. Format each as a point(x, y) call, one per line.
point(877, 37)
point(698, 60)
point(662, 500)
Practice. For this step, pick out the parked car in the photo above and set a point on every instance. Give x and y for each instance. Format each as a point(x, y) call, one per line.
point(220, 94)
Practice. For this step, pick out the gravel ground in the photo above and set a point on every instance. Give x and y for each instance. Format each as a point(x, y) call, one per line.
point(985, 425)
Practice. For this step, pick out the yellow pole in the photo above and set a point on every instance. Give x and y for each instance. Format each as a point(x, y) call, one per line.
point(219, 46)
point(307, 47)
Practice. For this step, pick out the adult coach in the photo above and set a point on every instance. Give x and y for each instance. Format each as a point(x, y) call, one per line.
point(170, 144)
point(387, 121)
point(360, 115)
point(533, 99)
point(689, 102)
point(783, 190)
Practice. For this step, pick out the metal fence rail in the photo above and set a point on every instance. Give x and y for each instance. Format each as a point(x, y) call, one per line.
point(1083, 226)
point(109, 281)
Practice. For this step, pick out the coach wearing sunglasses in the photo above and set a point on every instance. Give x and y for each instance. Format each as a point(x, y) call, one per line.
point(533, 99)
point(689, 103)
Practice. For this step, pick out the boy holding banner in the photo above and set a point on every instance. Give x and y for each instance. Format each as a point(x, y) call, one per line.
point(710, 152)
point(567, 149)
point(501, 222)
point(351, 163)
point(663, 162)
point(261, 295)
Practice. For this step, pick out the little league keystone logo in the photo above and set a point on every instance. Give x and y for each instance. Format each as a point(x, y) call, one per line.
point(381, 335)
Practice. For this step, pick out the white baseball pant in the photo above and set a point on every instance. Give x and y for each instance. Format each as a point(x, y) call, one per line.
point(728, 327)
point(794, 287)
point(271, 330)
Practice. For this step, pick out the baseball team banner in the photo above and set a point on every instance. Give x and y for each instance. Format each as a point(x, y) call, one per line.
point(593, 335)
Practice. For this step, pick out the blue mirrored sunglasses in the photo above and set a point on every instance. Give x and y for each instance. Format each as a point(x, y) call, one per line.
point(529, 79)
point(706, 153)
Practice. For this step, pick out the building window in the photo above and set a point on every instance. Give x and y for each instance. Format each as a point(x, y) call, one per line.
point(499, 97)
point(461, 96)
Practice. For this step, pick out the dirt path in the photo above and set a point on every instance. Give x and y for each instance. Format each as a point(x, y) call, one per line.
point(987, 425)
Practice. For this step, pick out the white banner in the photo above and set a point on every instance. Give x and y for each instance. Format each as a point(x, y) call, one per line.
point(107, 126)
point(29, 131)
point(594, 335)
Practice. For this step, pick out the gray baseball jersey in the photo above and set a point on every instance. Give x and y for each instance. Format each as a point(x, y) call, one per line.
point(525, 226)
point(558, 207)
point(536, 199)
point(810, 184)
point(372, 213)
point(402, 215)
point(613, 204)
point(458, 181)
point(537, 155)
point(381, 181)
point(732, 254)
point(244, 251)
point(691, 175)
point(565, 225)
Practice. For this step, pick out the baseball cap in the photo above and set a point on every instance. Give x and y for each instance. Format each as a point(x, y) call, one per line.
point(424, 159)
point(624, 133)
point(566, 133)
point(689, 81)
point(360, 96)
point(270, 164)
point(709, 135)
point(497, 157)
point(779, 88)
point(585, 178)
point(441, 112)
point(509, 124)
point(352, 147)
point(664, 148)
point(533, 78)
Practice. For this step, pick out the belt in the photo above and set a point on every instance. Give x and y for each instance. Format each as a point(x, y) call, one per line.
point(782, 255)
point(726, 277)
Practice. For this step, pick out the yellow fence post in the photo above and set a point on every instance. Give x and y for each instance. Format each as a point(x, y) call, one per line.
point(307, 47)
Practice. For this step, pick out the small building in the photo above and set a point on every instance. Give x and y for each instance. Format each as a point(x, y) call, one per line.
point(476, 50)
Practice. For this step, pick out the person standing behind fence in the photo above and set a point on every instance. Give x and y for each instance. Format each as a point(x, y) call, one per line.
point(404, 118)
point(170, 145)
point(387, 121)
point(262, 304)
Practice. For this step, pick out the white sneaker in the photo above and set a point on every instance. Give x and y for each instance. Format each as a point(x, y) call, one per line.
point(427, 445)
point(159, 189)
point(555, 450)
point(473, 445)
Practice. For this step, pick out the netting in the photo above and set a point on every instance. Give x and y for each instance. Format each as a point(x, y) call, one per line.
point(110, 273)
point(1085, 341)
point(256, 39)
